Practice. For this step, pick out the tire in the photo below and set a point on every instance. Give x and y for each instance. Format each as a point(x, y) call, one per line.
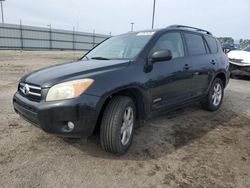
point(215, 96)
point(119, 114)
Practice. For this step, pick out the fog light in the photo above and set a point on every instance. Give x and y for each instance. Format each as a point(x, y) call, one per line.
point(71, 125)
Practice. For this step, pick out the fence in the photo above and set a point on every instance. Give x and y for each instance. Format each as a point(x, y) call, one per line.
point(39, 38)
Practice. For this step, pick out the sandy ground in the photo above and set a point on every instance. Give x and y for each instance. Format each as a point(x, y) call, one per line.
point(186, 148)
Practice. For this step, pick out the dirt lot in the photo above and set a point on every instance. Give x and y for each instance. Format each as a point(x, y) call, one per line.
point(186, 148)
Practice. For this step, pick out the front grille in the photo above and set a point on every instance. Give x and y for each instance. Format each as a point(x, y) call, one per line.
point(30, 91)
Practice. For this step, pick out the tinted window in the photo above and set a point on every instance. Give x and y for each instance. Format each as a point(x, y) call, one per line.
point(212, 44)
point(170, 41)
point(195, 44)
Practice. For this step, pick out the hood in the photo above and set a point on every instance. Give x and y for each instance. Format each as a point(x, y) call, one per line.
point(239, 55)
point(49, 76)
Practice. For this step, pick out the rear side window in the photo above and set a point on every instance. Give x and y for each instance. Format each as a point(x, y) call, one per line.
point(212, 44)
point(195, 44)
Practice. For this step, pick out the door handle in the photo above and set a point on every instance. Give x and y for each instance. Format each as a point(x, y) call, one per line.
point(213, 62)
point(186, 67)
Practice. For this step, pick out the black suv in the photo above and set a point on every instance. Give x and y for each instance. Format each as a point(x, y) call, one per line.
point(125, 79)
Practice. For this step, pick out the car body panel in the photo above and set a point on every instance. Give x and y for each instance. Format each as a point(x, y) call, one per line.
point(47, 77)
point(169, 83)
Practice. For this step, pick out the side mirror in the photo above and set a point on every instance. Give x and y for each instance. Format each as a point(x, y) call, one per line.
point(164, 55)
point(226, 50)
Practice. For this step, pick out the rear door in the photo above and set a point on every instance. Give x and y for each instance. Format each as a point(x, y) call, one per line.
point(170, 81)
point(202, 63)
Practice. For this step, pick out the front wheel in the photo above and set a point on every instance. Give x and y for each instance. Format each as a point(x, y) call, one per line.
point(215, 96)
point(117, 127)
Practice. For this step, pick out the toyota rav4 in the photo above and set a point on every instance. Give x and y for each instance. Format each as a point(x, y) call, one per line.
point(123, 80)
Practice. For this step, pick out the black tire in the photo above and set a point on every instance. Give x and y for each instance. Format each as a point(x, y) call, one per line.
point(112, 122)
point(208, 103)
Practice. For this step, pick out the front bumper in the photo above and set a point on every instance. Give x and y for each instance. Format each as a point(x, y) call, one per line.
point(240, 69)
point(52, 117)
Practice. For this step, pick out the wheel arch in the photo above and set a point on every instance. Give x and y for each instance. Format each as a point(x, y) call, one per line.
point(135, 93)
point(222, 76)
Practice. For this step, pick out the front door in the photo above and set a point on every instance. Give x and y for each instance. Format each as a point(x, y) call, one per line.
point(170, 81)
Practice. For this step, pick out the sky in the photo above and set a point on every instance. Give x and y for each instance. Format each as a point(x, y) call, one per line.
point(221, 17)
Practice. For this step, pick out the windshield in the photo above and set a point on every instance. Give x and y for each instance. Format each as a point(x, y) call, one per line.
point(126, 46)
point(247, 49)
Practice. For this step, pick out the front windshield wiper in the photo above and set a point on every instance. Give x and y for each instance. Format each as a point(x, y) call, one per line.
point(100, 58)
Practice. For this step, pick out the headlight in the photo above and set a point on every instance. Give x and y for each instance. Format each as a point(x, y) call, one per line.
point(68, 90)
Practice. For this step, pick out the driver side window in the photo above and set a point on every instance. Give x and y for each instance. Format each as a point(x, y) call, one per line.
point(170, 41)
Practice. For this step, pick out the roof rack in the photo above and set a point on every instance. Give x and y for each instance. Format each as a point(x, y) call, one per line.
point(194, 28)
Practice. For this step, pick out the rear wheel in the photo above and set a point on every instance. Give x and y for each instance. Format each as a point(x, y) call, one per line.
point(118, 124)
point(215, 96)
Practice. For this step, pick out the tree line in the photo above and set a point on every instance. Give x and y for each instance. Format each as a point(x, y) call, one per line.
point(229, 40)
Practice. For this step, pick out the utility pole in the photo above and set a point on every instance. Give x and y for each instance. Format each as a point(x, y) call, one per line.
point(93, 38)
point(153, 17)
point(73, 38)
point(132, 26)
point(21, 34)
point(2, 10)
point(50, 36)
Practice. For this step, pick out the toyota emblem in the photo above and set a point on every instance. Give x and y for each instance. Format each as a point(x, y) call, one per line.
point(26, 89)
